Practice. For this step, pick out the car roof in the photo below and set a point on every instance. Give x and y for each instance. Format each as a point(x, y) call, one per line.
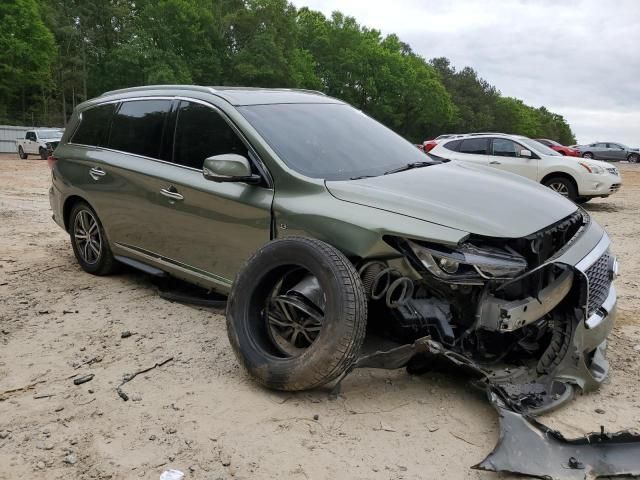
point(236, 96)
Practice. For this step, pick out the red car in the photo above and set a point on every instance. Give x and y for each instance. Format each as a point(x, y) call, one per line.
point(558, 147)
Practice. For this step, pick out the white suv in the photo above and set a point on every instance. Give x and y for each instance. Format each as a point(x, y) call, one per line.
point(576, 178)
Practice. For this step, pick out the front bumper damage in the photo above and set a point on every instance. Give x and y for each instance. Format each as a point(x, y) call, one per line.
point(526, 446)
point(519, 393)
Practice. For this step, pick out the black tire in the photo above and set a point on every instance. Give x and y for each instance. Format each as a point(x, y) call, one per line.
point(583, 199)
point(21, 153)
point(342, 331)
point(563, 186)
point(101, 263)
point(634, 158)
point(587, 155)
point(43, 153)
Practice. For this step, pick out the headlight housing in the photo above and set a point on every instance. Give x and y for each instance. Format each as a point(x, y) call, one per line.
point(592, 168)
point(469, 264)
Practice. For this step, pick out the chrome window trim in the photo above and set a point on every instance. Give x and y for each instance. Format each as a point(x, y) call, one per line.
point(594, 254)
point(260, 164)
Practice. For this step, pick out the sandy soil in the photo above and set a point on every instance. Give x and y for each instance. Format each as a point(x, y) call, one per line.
point(200, 413)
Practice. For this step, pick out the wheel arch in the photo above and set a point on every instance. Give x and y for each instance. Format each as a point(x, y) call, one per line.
point(68, 206)
point(564, 175)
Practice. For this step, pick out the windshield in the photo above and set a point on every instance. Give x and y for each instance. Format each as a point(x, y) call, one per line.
point(331, 141)
point(49, 134)
point(539, 147)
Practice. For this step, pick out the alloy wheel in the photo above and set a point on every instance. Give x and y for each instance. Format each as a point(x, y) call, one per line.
point(295, 313)
point(588, 155)
point(560, 188)
point(86, 233)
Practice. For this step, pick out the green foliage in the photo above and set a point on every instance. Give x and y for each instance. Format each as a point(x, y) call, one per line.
point(57, 53)
point(26, 54)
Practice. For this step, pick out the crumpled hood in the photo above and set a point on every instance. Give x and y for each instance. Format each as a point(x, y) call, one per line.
point(466, 197)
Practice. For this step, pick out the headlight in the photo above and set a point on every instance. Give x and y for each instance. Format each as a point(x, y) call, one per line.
point(592, 168)
point(469, 264)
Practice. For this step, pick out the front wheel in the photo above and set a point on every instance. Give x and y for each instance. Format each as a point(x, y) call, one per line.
point(89, 241)
point(563, 186)
point(583, 199)
point(22, 154)
point(587, 155)
point(297, 314)
point(43, 153)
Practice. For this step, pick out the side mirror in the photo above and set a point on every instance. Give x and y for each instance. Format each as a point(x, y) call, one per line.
point(526, 153)
point(229, 168)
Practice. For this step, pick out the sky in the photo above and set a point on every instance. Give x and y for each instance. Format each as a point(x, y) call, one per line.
point(578, 58)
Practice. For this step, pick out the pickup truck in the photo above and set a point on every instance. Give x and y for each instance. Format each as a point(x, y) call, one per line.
point(38, 142)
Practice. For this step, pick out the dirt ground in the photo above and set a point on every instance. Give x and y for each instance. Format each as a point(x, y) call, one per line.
point(200, 413)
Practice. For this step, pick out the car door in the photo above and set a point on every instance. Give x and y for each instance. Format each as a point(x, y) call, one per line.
point(616, 152)
point(505, 154)
point(599, 151)
point(473, 150)
point(31, 143)
point(205, 227)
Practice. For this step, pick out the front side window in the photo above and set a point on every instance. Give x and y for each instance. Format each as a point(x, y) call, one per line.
point(137, 127)
point(331, 141)
point(505, 148)
point(476, 146)
point(201, 132)
point(94, 126)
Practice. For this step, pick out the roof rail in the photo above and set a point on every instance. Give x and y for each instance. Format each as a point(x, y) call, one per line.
point(157, 87)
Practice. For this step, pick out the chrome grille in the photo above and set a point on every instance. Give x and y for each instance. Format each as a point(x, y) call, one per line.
point(599, 282)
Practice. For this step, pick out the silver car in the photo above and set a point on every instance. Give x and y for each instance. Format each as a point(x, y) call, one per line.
point(609, 151)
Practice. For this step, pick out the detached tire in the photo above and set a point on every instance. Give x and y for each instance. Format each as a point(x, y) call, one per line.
point(297, 314)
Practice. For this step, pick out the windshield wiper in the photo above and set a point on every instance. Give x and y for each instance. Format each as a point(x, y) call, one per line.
point(362, 176)
point(409, 166)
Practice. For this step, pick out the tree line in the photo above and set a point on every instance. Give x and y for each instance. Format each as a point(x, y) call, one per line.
point(55, 54)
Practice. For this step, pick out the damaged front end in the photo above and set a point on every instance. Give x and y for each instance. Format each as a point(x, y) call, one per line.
point(533, 313)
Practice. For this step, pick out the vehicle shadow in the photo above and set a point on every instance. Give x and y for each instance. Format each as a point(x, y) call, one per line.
point(603, 207)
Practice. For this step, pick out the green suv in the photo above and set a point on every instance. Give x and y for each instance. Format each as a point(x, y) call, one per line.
point(318, 222)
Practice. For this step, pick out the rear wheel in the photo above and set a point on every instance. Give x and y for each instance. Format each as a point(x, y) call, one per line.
point(563, 186)
point(634, 158)
point(297, 314)
point(89, 241)
point(43, 153)
point(583, 199)
point(22, 154)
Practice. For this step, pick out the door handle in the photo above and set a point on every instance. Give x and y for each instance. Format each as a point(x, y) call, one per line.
point(495, 162)
point(96, 173)
point(171, 193)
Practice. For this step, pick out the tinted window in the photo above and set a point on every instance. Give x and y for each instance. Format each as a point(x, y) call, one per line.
point(453, 145)
point(137, 127)
point(31, 136)
point(476, 146)
point(94, 126)
point(201, 132)
point(330, 141)
point(505, 148)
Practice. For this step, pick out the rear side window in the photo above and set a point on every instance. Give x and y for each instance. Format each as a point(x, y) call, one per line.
point(454, 145)
point(94, 126)
point(31, 136)
point(137, 127)
point(477, 146)
point(201, 133)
